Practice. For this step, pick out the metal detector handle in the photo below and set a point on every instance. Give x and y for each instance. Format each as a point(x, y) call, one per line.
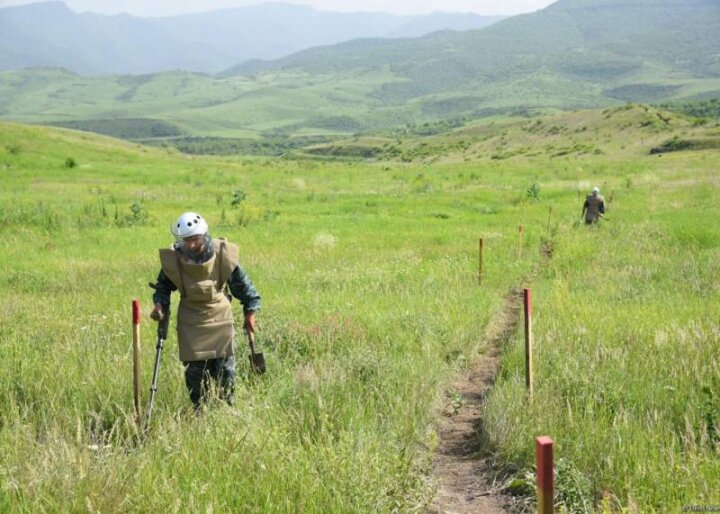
point(162, 318)
point(163, 324)
point(162, 333)
point(163, 321)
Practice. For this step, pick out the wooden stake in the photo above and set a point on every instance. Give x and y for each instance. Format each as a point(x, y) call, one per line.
point(480, 261)
point(527, 301)
point(519, 253)
point(549, 216)
point(545, 478)
point(136, 357)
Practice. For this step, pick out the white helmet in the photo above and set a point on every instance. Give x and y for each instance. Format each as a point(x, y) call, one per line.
point(188, 224)
point(596, 190)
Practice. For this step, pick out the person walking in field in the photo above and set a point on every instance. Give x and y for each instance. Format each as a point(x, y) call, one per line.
point(200, 267)
point(594, 207)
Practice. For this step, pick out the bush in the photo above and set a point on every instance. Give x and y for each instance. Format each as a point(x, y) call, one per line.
point(533, 191)
point(677, 145)
point(238, 198)
point(138, 216)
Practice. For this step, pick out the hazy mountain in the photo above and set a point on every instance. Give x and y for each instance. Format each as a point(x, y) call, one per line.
point(50, 34)
point(598, 38)
point(418, 26)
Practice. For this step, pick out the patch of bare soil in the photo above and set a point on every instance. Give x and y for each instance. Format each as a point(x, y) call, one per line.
point(462, 466)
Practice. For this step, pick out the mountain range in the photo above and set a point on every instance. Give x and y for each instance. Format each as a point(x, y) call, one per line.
point(49, 34)
point(593, 40)
point(572, 54)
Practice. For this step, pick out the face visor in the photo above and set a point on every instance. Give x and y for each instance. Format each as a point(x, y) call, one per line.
point(197, 248)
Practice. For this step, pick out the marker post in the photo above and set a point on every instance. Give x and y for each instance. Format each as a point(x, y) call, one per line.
point(545, 477)
point(136, 357)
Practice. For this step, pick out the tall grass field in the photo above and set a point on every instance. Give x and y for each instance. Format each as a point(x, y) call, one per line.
point(371, 304)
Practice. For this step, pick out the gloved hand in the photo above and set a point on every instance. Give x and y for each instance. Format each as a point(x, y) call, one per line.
point(157, 313)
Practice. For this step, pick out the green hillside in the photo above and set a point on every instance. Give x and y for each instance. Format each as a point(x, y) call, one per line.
point(629, 130)
point(198, 104)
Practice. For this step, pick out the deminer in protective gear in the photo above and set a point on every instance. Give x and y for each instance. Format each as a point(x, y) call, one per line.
point(594, 207)
point(201, 267)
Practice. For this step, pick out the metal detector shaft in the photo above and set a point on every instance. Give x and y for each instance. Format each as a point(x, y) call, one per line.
point(161, 337)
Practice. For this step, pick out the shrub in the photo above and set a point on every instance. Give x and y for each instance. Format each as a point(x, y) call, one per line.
point(533, 191)
point(138, 216)
point(238, 198)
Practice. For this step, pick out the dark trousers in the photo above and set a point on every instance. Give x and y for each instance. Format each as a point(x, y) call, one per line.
point(199, 373)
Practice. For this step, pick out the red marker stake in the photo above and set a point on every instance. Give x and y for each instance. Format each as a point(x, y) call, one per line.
point(136, 357)
point(545, 477)
point(527, 301)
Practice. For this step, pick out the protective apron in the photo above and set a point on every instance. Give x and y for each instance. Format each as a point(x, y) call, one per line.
point(593, 210)
point(205, 327)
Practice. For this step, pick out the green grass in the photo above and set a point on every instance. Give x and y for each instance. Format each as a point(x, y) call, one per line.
point(368, 278)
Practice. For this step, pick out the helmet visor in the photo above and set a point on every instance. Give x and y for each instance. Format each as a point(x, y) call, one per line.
point(197, 248)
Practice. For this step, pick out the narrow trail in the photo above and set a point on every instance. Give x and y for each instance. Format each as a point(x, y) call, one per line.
point(462, 467)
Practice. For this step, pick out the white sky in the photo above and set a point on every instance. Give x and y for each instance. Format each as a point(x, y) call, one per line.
point(173, 7)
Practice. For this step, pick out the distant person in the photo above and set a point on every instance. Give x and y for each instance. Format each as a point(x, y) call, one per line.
point(594, 207)
point(200, 267)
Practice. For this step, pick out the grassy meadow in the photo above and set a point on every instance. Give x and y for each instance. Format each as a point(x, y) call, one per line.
point(368, 272)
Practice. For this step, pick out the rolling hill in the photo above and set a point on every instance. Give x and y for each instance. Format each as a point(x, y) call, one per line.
point(631, 130)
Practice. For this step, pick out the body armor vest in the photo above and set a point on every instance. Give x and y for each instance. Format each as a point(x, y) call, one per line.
point(593, 210)
point(205, 325)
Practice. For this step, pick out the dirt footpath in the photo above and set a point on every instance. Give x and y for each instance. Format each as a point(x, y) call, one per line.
point(462, 466)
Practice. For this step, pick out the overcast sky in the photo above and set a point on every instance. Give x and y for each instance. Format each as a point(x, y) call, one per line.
point(173, 7)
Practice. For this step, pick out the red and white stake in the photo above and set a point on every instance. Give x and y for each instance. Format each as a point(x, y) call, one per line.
point(545, 477)
point(136, 357)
